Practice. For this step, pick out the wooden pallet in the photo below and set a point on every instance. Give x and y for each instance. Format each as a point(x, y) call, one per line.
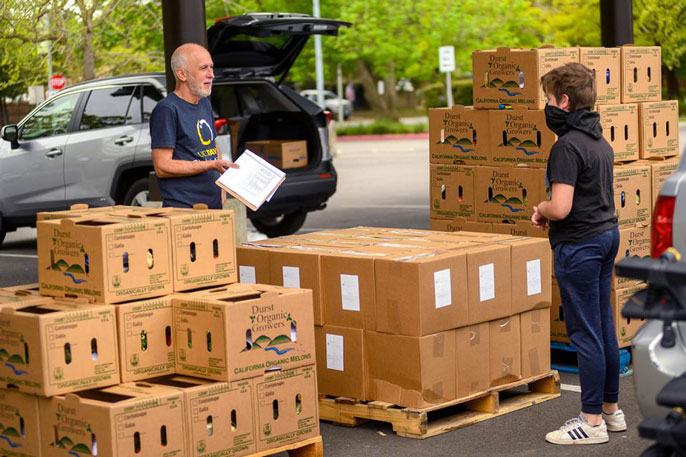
point(313, 447)
point(441, 418)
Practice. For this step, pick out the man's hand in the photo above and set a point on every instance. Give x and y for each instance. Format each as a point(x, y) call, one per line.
point(538, 220)
point(222, 165)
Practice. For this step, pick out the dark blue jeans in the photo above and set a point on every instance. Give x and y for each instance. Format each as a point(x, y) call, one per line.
point(584, 274)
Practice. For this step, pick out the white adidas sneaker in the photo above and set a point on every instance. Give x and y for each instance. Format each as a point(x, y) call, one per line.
point(577, 431)
point(615, 421)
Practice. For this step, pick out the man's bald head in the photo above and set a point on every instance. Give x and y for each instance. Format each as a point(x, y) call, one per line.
point(182, 55)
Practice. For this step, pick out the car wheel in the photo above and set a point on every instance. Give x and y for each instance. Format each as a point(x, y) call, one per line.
point(287, 224)
point(138, 193)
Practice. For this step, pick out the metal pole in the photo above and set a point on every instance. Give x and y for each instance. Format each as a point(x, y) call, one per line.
point(339, 74)
point(47, 27)
point(183, 22)
point(616, 22)
point(319, 66)
point(449, 88)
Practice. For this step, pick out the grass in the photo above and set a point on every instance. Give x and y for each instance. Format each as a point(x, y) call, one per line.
point(381, 127)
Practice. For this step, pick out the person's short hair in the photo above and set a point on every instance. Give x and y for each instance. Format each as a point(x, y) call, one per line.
point(178, 60)
point(575, 80)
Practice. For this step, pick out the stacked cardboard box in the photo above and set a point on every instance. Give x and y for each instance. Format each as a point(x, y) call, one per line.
point(490, 183)
point(413, 317)
point(141, 298)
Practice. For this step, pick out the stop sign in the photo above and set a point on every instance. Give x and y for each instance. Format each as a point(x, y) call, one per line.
point(57, 82)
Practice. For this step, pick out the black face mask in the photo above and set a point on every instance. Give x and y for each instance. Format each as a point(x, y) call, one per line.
point(556, 119)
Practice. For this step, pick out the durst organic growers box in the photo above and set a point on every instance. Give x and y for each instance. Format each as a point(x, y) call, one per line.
point(632, 189)
point(519, 228)
point(660, 170)
point(57, 347)
point(519, 137)
point(120, 421)
point(511, 77)
point(19, 425)
point(659, 129)
point(508, 194)
point(641, 73)
point(241, 330)
point(219, 415)
point(458, 135)
point(146, 338)
point(605, 65)
point(459, 224)
point(620, 129)
point(452, 192)
point(286, 407)
point(634, 241)
point(109, 259)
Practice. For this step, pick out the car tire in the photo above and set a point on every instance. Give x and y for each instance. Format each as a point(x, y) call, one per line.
point(3, 232)
point(287, 224)
point(138, 193)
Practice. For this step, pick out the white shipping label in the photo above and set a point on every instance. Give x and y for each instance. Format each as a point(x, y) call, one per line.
point(442, 292)
point(350, 292)
point(291, 277)
point(334, 352)
point(247, 274)
point(486, 282)
point(533, 277)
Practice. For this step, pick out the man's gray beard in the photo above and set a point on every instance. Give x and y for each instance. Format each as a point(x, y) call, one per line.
point(197, 90)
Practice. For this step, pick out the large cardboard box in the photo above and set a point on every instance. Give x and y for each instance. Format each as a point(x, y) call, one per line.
point(659, 129)
point(489, 282)
point(519, 228)
point(410, 371)
point(508, 194)
point(660, 170)
point(280, 153)
point(473, 372)
point(109, 259)
point(146, 338)
point(240, 331)
point(18, 298)
point(620, 129)
point(452, 192)
point(422, 294)
point(505, 350)
point(219, 415)
point(298, 269)
point(79, 210)
point(58, 347)
point(286, 407)
point(253, 264)
point(535, 326)
point(633, 242)
point(459, 224)
point(125, 420)
point(624, 327)
point(20, 425)
point(458, 135)
point(605, 64)
point(511, 77)
point(23, 289)
point(341, 362)
point(519, 137)
point(203, 247)
point(632, 186)
point(531, 268)
point(641, 73)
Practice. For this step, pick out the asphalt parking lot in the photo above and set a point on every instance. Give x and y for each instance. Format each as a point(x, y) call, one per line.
point(385, 183)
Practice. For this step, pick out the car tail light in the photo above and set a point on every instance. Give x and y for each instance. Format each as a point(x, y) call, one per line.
point(329, 116)
point(216, 21)
point(661, 236)
point(221, 126)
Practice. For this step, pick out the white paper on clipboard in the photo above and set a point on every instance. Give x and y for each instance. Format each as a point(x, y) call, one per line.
point(254, 182)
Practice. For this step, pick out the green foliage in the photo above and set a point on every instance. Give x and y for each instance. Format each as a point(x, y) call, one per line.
point(434, 94)
point(381, 127)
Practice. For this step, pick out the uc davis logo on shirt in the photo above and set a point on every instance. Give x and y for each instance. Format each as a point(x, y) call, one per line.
point(204, 126)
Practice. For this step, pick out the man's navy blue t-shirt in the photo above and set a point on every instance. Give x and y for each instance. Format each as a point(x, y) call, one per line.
point(188, 129)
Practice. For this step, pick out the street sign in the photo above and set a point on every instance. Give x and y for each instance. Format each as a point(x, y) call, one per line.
point(446, 58)
point(57, 82)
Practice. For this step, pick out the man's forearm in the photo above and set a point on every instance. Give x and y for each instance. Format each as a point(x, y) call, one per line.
point(180, 168)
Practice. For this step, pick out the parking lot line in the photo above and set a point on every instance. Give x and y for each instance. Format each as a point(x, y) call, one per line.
point(20, 256)
point(570, 387)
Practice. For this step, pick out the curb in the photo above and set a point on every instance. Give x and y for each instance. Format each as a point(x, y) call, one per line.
point(398, 136)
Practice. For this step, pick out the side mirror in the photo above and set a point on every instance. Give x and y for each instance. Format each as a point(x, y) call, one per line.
point(11, 133)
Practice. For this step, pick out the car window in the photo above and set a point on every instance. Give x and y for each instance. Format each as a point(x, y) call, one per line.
point(52, 119)
point(224, 101)
point(150, 98)
point(108, 107)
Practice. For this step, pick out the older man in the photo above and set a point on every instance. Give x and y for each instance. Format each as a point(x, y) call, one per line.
point(184, 154)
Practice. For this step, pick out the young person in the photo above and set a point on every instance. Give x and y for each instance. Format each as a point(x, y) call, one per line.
point(584, 236)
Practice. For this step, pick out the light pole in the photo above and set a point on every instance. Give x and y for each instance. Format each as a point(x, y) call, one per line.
point(319, 66)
